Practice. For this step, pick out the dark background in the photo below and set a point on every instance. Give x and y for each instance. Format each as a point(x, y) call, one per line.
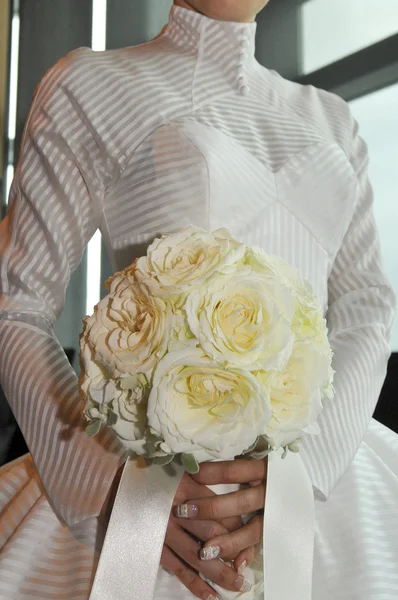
point(51, 28)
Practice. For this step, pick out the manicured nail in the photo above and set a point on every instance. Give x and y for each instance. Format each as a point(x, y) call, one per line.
point(210, 552)
point(211, 597)
point(243, 584)
point(186, 511)
point(242, 567)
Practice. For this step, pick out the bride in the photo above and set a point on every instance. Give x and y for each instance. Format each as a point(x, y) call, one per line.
point(190, 129)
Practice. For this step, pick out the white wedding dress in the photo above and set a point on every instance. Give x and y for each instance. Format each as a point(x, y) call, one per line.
point(145, 140)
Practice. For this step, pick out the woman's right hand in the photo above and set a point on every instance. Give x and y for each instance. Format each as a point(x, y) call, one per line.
point(180, 554)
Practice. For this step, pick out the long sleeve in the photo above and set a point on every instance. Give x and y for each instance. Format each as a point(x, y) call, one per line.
point(361, 308)
point(54, 210)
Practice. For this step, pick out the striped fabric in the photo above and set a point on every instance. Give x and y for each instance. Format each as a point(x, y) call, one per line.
point(188, 128)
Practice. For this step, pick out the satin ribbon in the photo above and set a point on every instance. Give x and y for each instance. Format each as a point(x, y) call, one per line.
point(130, 557)
point(129, 562)
point(289, 524)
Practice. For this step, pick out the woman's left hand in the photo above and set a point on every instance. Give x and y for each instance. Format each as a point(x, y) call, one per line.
point(243, 544)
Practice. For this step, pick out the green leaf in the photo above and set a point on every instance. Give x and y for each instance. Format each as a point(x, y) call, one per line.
point(294, 448)
point(251, 448)
point(158, 453)
point(190, 463)
point(112, 419)
point(263, 441)
point(162, 460)
point(93, 428)
point(261, 455)
point(88, 406)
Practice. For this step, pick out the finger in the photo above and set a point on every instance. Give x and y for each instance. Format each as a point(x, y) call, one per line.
point(210, 528)
point(224, 505)
point(189, 488)
point(203, 530)
point(186, 575)
point(230, 545)
point(232, 471)
point(232, 523)
point(215, 570)
point(245, 558)
point(254, 483)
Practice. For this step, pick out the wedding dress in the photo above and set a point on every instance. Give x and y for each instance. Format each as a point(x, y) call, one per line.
point(189, 129)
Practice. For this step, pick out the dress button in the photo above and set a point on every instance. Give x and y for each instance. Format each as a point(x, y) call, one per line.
point(244, 90)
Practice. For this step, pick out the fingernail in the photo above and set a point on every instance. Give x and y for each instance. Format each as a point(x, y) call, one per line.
point(186, 511)
point(242, 567)
point(210, 552)
point(211, 597)
point(243, 584)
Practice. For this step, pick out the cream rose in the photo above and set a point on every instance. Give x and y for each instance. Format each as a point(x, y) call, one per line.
point(126, 398)
point(310, 325)
point(271, 265)
point(129, 330)
point(204, 410)
point(130, 407)
point(94, 380)
point(244, 319)
point(176, 263)
point(121, 280)
point(296, 394)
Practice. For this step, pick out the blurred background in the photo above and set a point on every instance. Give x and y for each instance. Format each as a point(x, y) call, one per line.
point(348, 47)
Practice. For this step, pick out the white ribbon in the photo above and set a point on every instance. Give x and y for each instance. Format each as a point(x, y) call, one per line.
point(130, 557)
point(289, 523)
point(129, 562)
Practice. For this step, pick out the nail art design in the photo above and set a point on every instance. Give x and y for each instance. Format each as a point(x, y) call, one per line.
point(182, 511)
point(186, 511)
point(242, 567)
point(243, 584)
point(210, 552)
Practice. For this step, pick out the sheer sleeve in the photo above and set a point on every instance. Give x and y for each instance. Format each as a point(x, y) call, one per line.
point(54, 210)
point(361, 308)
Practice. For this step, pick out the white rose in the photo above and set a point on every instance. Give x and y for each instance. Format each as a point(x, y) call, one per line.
point(308, 322)
point(271, 265)
point(121, 279)
point(177, 262)
point(130, 407)
point(244, 319)
point(95, 383)
point(296, 394)
point(126, 398)
point(128, 331)
point(310, 325)
point(205, 410)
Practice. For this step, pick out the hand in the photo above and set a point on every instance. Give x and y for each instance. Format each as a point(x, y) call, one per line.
point(182, 545)
point(242, 544)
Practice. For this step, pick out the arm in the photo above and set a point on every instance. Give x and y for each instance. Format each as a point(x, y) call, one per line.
point(360, 315)
point(55, 209)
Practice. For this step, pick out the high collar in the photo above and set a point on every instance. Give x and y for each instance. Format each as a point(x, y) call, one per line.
point(223, 46)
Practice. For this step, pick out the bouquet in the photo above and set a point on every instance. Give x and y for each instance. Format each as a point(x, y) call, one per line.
point(205, 349)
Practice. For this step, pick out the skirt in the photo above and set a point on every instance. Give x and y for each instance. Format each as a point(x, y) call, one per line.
point(356, 535)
